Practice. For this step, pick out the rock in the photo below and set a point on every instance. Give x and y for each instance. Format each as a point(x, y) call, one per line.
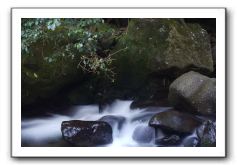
point(143, 134)
point(154, 52)
point(194, 93)
point(190, 141)
point(173, 120)
point(168, 140)
point(209, 24)
point(114, 120)
point(86, 133)
point(207, 134)
point(164, 46)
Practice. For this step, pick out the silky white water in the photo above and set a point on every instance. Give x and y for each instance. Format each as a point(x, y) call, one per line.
point(44, 130)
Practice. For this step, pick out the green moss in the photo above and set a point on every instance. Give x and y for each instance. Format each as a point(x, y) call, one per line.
point(160, 45)
point(41, 79)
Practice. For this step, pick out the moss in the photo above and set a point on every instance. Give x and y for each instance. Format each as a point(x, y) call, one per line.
point(41, 79)
point(161, 46)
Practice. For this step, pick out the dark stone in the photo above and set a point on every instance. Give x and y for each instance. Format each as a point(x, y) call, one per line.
point(207, 134)
point(114, 121)
point(173, 120)
point(86, 133)
point(195, 93)
point(168, 140)
point(143, 134)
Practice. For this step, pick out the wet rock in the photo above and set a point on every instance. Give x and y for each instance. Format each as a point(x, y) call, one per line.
point(86, 133)
point(173, 120)
point(143, 134)
point(114, 120)
point(207, 134)
point(168, 140)
point(195, 93)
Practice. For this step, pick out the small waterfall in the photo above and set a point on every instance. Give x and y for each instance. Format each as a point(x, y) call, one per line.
point(46, 130)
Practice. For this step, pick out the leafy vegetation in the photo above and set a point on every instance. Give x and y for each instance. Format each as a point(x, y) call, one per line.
point(71, 38)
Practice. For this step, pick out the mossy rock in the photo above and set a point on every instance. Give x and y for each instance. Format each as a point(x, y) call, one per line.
point(162, 46)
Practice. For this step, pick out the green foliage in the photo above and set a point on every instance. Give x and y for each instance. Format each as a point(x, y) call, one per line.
point(55, 39)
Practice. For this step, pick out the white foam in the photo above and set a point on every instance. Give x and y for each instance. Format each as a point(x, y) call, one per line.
point(43, 130)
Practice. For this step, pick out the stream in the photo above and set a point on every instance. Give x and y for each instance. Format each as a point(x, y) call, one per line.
point(46, 131)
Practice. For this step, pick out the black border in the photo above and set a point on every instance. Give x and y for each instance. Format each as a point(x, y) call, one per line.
point(227, 80)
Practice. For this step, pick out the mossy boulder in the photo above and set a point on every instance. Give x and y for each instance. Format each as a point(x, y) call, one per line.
point(161, 46)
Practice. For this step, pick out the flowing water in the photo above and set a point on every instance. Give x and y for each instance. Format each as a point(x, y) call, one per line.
point(46, 131)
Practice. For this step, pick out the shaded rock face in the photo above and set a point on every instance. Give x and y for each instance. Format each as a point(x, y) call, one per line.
point(86, 133)
point(174, 121)
point(207, 134)
point(143, 134)
point(114, 121)
point(194, 92)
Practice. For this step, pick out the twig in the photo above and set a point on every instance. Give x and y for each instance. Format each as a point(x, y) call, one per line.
point(118, 51)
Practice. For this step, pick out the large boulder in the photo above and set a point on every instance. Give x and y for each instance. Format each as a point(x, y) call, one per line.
point(194, 92)
point(176, 121)
point(207, 134)
point(161, 46)
point(86, 133)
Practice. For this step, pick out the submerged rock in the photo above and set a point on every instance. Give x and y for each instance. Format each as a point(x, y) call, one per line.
point(86, 133)
point(194, 92)
point(207, 134)
point(114, 120)
point(190, 141)
point(173, 120)
point(143, 134)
